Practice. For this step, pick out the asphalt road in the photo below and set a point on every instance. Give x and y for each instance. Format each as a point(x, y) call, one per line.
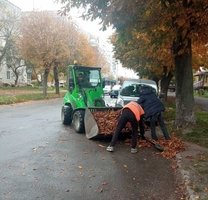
point(42, 159)
point(203, 102)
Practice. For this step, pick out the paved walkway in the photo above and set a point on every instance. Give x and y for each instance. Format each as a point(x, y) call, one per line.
point(193, 166)
point(203, 102)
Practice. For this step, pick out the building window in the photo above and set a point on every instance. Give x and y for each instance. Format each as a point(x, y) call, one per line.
point(29, 76)
point(8, 74)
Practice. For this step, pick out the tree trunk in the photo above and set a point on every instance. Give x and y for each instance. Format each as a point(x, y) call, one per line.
point(16, 80)
point(184, 82)
point(36, 75)
point(45, 81)
point(4, 50)
point(56, 78)
point(16, 77)
point(165, 81)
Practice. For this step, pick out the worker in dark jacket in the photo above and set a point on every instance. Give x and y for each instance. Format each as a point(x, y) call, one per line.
point(132, 113)
point(153, 109)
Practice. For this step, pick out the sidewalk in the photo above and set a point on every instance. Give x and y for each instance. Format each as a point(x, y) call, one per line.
point(193, 167)
point(192, 170)
point(193, 164)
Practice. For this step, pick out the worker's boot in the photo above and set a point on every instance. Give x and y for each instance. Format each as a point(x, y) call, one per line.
point(110, 148)
point(134, 150)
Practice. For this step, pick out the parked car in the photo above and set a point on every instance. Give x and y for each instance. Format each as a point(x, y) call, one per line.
point(130, 90)
point(172, 86)
point(61, 83)
point(107, 89)
point(115, 90)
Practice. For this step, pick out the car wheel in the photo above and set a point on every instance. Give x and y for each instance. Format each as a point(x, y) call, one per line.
point(66, 114)
point(78, 121)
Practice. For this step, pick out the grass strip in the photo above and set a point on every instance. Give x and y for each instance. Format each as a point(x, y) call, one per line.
point(197, 133)
point(11, 99)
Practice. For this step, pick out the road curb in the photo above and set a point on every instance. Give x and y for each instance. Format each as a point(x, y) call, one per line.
point(190, 194)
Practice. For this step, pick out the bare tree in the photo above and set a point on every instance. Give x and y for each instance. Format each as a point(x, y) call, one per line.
point(8, 28)
point(14, 61)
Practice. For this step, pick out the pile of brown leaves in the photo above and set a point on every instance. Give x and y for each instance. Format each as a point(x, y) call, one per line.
point(171, 147)
point(106, 121)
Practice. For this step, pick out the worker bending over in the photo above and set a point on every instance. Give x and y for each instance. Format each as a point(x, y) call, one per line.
point(132, 113)
point(153, 109)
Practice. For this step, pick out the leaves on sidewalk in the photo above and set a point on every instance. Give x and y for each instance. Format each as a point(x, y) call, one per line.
point(171, 147)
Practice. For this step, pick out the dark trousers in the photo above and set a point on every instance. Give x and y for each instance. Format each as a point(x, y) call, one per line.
point(158, 118)
point(128, 116)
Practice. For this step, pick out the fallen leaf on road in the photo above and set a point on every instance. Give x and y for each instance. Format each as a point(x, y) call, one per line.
point(174, 166)
point(189, 157)
point(101, 190)
point(171, 147)
point(104, 183)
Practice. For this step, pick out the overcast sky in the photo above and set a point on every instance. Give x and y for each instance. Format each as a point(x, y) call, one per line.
point(27, 5)
point(87, 26)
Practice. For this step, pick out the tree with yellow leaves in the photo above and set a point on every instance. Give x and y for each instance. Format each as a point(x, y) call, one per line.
point(49, 41)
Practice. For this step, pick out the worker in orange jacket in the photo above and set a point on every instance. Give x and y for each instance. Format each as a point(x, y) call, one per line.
point(132, 113)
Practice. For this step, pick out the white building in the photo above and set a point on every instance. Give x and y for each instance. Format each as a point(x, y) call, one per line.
point(7, 12)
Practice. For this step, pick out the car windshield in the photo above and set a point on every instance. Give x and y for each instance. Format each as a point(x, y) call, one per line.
point(132, 89)
point(89, 77)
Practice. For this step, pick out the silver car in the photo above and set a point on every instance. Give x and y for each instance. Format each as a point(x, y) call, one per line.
point(130, 90)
